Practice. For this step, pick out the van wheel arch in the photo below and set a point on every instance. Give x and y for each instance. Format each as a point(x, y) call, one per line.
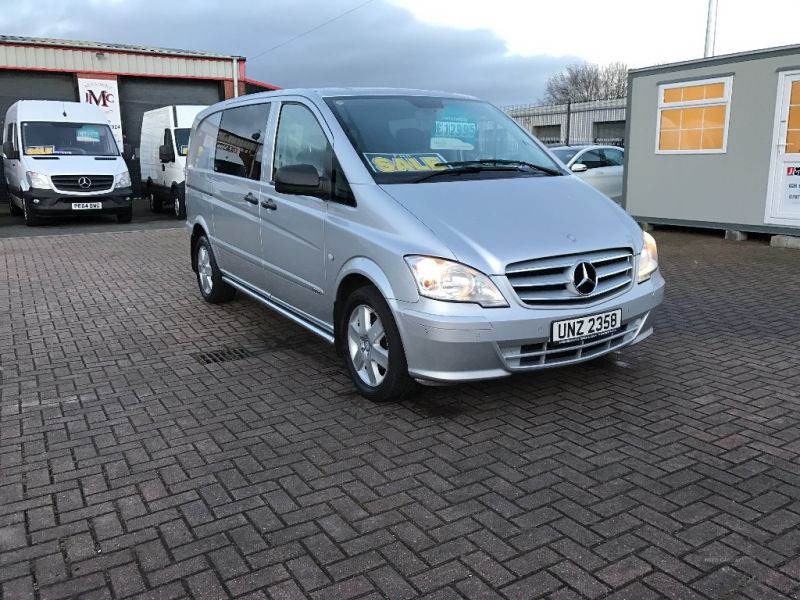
point(347, 286)
point(197, 233)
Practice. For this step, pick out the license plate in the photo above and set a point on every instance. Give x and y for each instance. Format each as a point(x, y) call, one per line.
point(584, 327)
point(86, 205)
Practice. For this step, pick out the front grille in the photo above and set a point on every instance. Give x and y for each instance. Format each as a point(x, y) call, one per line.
point(72, 183)
point(548, 281)
point(549, 354)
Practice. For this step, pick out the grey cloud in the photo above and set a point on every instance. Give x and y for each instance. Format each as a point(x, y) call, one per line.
point(380, 44)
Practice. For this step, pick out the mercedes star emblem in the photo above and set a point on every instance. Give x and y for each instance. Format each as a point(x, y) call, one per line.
point(584, 278)
point(84, 182)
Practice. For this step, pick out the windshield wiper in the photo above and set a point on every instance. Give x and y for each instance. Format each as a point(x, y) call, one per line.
point(487, 164)
point(504, 162)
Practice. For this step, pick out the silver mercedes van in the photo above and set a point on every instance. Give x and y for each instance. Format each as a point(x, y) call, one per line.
point(426, 235)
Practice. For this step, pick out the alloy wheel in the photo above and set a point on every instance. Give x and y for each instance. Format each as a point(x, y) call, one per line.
point(367, 345)
point(204, 270)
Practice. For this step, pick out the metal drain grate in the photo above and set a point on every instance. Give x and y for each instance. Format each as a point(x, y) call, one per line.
point(223, 355)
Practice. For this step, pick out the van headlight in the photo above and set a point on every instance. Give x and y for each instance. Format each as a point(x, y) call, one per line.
point(648, 259)
point(40, 181)
point(453, 282)
point(124, 180)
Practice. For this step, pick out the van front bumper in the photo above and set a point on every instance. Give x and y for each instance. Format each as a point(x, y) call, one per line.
point(452, 342)
point(52, 203)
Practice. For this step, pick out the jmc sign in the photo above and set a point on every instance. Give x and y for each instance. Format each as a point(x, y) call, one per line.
point(104, 94)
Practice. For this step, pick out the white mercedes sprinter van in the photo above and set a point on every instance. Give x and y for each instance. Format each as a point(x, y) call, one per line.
point(163, 147)
point(60, 158)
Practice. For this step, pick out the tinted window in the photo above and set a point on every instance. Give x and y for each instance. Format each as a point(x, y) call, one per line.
point(614, 157)
point(240, 141)
point(565, 154)
point(300, 140)
point(593, 159)
point(204, 143)
point(401, 138)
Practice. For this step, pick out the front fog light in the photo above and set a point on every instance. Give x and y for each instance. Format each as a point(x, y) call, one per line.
point(447, 280)
point(648, 259)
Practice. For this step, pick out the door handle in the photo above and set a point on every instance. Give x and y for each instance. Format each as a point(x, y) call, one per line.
point(251, 198)
point(269, 204)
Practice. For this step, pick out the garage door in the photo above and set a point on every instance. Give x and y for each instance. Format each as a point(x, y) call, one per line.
point(140, 94)
point(27, 85)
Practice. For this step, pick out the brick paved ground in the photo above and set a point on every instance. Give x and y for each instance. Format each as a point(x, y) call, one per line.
point(130, 470)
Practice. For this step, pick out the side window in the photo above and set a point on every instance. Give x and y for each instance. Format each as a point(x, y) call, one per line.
point(614, 158)
point(300, 140)
point(240, 142)
point(593, 159)
point(204, 143)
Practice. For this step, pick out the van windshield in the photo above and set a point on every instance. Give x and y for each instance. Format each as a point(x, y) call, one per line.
point(182, 141)
point(60, 139)
point(406, 138)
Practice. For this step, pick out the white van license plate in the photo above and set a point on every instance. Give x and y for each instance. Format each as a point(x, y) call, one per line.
point(583, 327)
point(86, 205)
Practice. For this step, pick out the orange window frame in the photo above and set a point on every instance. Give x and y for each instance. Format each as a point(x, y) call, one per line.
point(693, 116)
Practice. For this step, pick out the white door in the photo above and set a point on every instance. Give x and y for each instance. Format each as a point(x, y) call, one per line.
point(783, 204)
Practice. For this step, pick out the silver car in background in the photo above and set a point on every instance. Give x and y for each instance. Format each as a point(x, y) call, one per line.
point(599, 166)
point(426, 235)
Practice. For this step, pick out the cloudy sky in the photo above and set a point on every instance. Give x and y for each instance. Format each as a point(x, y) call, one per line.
point(502, 50)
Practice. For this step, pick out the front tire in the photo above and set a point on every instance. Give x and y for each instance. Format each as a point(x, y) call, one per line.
point(31, 220)
point(15, 210)
point(178, 203)
point(125, 217)
point(155, 202)
point(209, 277)
point(373, 350)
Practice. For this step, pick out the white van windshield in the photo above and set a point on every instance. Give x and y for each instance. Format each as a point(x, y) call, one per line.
point(62, 139)
point(409, 138)
point(182, 141)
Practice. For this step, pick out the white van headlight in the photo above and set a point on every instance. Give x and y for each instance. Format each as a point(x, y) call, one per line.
point(451, 281)
point(124, 180)
point(648, 260)
point(40, 181)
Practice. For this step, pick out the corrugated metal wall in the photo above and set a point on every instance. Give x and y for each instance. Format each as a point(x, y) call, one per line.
point(583, 116)
point(98, 60)
point(140, 94)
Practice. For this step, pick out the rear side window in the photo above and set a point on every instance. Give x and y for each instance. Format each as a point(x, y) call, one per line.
point(203, 144)
point(240, 142)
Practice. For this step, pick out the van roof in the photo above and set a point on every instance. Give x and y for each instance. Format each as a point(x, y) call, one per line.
point(327, 92)
point(55, 110)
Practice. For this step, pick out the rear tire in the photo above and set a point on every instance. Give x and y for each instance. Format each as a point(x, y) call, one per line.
point(373, 350)
point(125, 217)
point(209, 277)
point(178, 203)
point(16, 211)
point(31, 220)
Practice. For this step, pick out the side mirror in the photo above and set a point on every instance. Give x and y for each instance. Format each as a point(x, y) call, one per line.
point(127, 152)
point(166, 154)
point(9, 152)
point(579, 168)
point(298, 179)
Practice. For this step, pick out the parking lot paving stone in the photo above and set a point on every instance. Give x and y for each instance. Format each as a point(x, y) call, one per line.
point(131, 469)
